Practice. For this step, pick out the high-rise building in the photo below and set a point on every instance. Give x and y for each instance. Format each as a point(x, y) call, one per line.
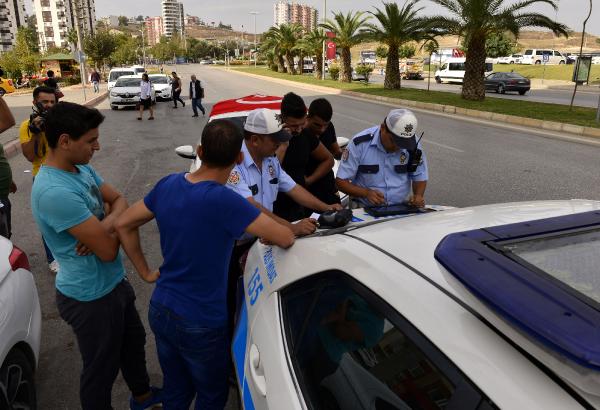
point(173, 17)
point(55, 18)
point(288, 13)
point(12, 16)
point(154, 29)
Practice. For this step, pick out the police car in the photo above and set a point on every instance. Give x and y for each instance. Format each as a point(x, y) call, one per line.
point(487, 307)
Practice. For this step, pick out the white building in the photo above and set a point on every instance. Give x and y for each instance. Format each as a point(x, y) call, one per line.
point(288, 13)
point(12, 16)
point(56, 17)
point(173, 17)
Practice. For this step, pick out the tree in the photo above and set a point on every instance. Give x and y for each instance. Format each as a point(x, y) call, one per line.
point(496, 45)
point(139, 18)
point(72, 38)
point(99, 46)
point(312, 44)
point(282, 40)
point(381, 52)
point(430, 47)
point(31, 37)
point(598, 40)
point(397, 26)
point(476, 20)
point(21, 58)
point(407, 51)
point(349, 31)
point(127, 51)
point(270, 43)
point(123, 21)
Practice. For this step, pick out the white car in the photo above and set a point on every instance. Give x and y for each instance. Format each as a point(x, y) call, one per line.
point(115, 73)
point(162, 86)
point(126, 92)
point(487, 307)
point(512, 59)
point(20, 329)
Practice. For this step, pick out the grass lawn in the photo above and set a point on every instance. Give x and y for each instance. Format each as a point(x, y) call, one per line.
point(549, 112)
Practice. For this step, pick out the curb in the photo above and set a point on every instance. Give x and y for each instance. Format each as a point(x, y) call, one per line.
point(577, 130)
point(13, 147)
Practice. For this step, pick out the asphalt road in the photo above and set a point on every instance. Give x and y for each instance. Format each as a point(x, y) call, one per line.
point(470, 163)
point(586, 97)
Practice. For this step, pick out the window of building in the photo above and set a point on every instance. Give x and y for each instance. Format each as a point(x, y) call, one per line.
point(45, 3)
point(47, 16)
point(49, 31)
point(348, 346)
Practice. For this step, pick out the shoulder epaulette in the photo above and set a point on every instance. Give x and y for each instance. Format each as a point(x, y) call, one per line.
point(362, 138)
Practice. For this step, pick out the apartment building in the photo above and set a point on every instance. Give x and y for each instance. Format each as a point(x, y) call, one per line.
point(56, 17)
point(288, 13)
point(154, 29)
point(12, 16)
point(173, 17)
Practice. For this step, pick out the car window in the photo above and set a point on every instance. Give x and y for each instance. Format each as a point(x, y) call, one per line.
point(457, 66)
point(128, 82)
point(348, 346)
point(116, 74)
point(159, 79)
point(493, 76)
point(444, 67)
point(528, 52)
point(538, 52)
point(556, 53)
point(548, 52)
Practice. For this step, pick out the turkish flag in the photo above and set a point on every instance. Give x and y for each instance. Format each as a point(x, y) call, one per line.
point(330, 46)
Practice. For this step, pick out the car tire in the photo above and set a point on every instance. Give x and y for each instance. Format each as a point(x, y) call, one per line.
point(522, 92)
point(511, 62)
point(561, 62)
point(17, 384)
point(438, 80)
point(538, 62)
point(501, 89)
point(114, 107)
point(2, 92)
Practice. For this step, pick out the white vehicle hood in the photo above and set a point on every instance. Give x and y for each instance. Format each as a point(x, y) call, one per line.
point(161, 87)
point(124, 90)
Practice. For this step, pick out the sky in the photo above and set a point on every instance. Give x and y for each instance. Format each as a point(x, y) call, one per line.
point(236, 12)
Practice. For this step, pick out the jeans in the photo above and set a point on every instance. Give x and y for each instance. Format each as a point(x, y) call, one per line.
point(96, 86)
point(110, 336)
point(197, 103)
point(194, 360)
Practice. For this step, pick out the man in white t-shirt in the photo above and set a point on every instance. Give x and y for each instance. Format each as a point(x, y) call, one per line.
point(146, 97)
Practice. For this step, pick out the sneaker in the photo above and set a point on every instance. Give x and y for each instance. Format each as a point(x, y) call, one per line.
point(150, 402)
point(53, 266)
point(195, 115)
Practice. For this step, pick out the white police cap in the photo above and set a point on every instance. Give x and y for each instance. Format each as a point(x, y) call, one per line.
point(264, 121)
point(402, 123)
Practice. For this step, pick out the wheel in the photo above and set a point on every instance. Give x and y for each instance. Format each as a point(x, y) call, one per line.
point(511, 62)
point(500, 89)
point(114, 107)
point(2, 92)
point(538, 62)
point(522, 92)
point(438, 80)
point(17, 385)
point(561, 62)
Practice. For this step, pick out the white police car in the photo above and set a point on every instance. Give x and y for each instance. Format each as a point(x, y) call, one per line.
point(487, 307)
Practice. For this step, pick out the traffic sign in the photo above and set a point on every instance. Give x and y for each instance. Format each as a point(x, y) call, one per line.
point(546, 57)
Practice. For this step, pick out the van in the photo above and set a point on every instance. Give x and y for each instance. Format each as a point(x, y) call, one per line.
point(138, 69)
point(115, 73)
point(453, 70)
point(539, 56)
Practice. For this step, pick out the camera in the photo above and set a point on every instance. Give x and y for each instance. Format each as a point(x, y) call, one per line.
point(40, 112)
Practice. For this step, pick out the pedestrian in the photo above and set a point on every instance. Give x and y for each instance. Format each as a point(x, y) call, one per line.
point(176, 87)
point(162, 69)
point(198, 220)
point(296, 155)
point(51, 82)
point(34, 145)
point(95, 79)
point(196, 95)
point(76, 212)
point(145, 97)
point(384, 164)
point(7, 185)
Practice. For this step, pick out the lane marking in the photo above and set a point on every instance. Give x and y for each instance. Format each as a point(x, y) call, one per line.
point(442, 145)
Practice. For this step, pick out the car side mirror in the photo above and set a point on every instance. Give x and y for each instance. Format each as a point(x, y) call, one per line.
point(186, 151)
point(342, 142)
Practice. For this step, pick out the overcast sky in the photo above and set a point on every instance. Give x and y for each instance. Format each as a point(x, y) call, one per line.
point(236, 12)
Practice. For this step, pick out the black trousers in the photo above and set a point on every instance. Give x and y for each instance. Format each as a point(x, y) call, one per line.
point(177, 97)
point(110, 336)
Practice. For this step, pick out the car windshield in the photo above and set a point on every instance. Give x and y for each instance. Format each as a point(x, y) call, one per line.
point(528, 52)
point(570, 258)
point(128, 82)
point(514, 75)
point(116, 74)
point(159, 79)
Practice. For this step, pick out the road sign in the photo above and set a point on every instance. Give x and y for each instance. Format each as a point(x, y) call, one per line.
point(546, 58)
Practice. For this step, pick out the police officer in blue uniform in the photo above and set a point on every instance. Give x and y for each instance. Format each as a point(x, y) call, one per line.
point(385, 164)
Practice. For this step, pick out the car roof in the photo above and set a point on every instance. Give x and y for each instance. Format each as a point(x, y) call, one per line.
point(408, 244)
point(121, 69)
point(139, 76)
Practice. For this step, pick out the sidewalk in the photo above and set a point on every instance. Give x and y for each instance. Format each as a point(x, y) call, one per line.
point(20, 105)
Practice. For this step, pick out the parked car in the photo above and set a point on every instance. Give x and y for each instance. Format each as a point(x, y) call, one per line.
point(126, 92)
point(138, 69)
point(503, 82)
point(20, 329)
point(487, 307)
point(162, 86)
point(511, 59)
point(115, 73)
point(453, 70)
point(6, 86)
point(206, 62)
point(539, 56)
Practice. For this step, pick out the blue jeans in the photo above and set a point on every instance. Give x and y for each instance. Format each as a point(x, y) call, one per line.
point(195, 360)
point(197, 103)
point(96, 86)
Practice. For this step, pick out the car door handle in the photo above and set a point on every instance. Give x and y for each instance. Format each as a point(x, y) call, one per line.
point(258, 380)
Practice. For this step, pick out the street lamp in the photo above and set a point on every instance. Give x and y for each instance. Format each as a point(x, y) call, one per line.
point(324, 41)
point(143, 44)
point(254, 13)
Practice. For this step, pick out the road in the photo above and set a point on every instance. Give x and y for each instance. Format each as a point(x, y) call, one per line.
point(587, 97)
point(470, 164)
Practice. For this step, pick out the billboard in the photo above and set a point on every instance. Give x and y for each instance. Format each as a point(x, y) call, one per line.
point(581, 73)
point(330, 46)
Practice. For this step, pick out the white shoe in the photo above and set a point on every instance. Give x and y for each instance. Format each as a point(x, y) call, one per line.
point(53, 266)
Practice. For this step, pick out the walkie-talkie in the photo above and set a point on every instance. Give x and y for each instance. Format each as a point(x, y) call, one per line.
point(415, 156)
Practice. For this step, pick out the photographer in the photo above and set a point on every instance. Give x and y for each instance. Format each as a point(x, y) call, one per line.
point(34, 144)
point(6, 182)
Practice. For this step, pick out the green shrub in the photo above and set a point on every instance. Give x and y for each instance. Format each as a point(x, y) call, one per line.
point(365, 70)
point(334, 72)
point(236, 62)
point(274, 67)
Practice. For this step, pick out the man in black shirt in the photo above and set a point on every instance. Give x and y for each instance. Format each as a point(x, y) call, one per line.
point(320, 126)
point(295, 156)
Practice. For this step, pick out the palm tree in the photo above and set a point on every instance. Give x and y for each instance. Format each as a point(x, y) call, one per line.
point(430, 47)
point(475, 20)
point(349, 31)
point(397, 26)
point(286, 36)
point(312, 44)
point(271, 41)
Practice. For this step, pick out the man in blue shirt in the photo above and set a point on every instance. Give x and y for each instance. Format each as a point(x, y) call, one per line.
point(383, 164)
point(93, 296)
point(199, 220)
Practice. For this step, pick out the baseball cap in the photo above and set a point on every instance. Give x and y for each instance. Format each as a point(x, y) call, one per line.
point(264, 121)
point(402, 124)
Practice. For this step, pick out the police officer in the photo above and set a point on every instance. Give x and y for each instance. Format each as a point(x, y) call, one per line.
point(383, 164)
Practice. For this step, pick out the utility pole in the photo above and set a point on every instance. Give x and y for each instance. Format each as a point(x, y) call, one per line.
point(581, 52)
point(254, 13)
point(78, 9)
point(143, 44)
point(324, 41)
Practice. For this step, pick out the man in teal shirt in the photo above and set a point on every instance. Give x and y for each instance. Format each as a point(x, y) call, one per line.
point(93, 296)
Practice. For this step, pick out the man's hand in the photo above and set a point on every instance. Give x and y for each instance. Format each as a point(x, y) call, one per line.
point(13, 187)
point(375, 197)
point(417, 200)
point(82, 250)
point(304, 227)
point(335, 207)
point(150, 276)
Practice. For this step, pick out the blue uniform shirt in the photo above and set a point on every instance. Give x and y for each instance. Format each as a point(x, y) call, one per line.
point(367, 164)
point(261, 184)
